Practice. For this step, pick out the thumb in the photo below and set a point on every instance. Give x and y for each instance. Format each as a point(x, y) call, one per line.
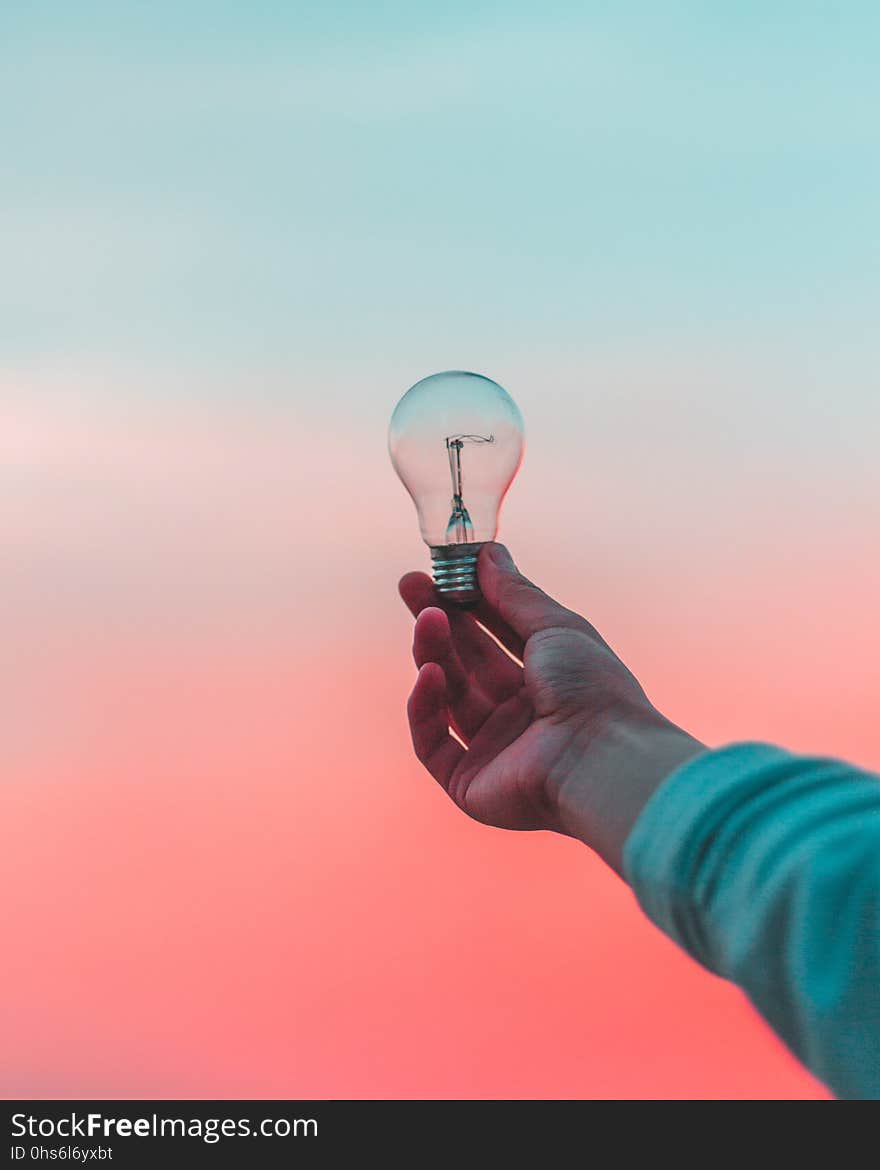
point(522, 605)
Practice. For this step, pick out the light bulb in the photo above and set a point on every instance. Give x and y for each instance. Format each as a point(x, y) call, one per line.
point(456, 441)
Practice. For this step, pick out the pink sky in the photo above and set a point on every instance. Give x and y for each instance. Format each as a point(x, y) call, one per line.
point(226, 874)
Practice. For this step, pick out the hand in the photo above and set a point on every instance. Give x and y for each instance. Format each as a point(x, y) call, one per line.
point(555, 733)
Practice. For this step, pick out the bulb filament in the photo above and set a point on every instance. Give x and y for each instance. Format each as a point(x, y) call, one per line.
point(460, 530)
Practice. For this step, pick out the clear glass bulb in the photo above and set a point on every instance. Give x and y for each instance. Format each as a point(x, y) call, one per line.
point(456, 441)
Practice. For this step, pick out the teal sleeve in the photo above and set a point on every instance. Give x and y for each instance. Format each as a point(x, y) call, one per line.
point(765, 867)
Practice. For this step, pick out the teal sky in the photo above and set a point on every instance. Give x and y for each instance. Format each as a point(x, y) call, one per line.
point(394, 188)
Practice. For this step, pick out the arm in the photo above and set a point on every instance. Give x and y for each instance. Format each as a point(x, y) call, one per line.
point(765, 867)
point(759, 864)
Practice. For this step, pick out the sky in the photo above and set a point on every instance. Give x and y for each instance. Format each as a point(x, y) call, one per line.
point(230, 238)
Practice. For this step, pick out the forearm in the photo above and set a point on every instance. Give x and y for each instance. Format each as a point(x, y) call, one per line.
point(613, 767)
point(765, 867)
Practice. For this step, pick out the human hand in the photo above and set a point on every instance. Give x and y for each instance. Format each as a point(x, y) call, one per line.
point(560, 736)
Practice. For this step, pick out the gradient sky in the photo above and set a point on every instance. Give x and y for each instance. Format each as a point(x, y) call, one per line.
point(230, 238)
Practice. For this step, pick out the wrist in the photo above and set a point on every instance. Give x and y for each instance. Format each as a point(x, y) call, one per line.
point(615, 766)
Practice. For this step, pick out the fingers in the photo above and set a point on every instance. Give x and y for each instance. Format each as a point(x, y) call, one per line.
point(432, 642)
point(417, 591)
point(497, 675)
point(428, 714)
point(520, 604)
point(503, 727)
point(489, 617)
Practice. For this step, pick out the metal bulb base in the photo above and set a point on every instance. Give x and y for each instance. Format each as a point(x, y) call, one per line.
point(455, 573)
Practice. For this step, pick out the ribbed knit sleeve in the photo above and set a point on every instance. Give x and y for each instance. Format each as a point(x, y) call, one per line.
point(765, 867)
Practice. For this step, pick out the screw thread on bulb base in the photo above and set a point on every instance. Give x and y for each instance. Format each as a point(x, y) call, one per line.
point(455, 572)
